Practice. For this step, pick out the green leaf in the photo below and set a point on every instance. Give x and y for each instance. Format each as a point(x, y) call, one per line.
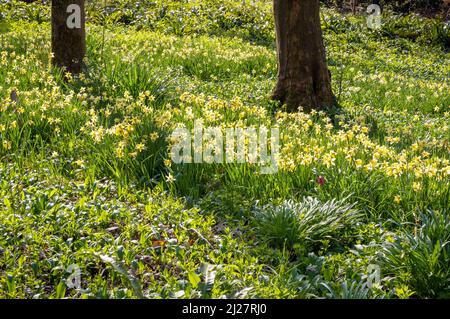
point(4, 27)
point(7, 202)
point(60, 290)
point(194, 279)
point(119, 267)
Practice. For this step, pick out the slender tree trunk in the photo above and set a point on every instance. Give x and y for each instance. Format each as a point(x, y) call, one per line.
point(353, 4)
point(303, 76)
point(68, 34)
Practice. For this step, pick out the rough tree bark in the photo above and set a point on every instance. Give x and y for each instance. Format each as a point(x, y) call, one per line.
point(303, 76)
point(68, 41)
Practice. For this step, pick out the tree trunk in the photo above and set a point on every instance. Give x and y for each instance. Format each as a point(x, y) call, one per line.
point(303, 76)
point(68, 34)
point(353, 4)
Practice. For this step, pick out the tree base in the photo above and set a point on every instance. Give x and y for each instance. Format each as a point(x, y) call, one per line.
point(302, 95)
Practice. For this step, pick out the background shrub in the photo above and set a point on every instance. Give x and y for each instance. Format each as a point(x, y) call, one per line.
point(304, 223)
point(423, 260)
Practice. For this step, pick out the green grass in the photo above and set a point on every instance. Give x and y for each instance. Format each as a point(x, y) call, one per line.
point(86, 176)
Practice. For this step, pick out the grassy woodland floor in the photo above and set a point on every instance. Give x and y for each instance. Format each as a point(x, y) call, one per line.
point(86, 176)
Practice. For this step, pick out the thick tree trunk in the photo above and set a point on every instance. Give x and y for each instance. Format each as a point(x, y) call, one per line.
point(303, 76)
point(68, 34)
